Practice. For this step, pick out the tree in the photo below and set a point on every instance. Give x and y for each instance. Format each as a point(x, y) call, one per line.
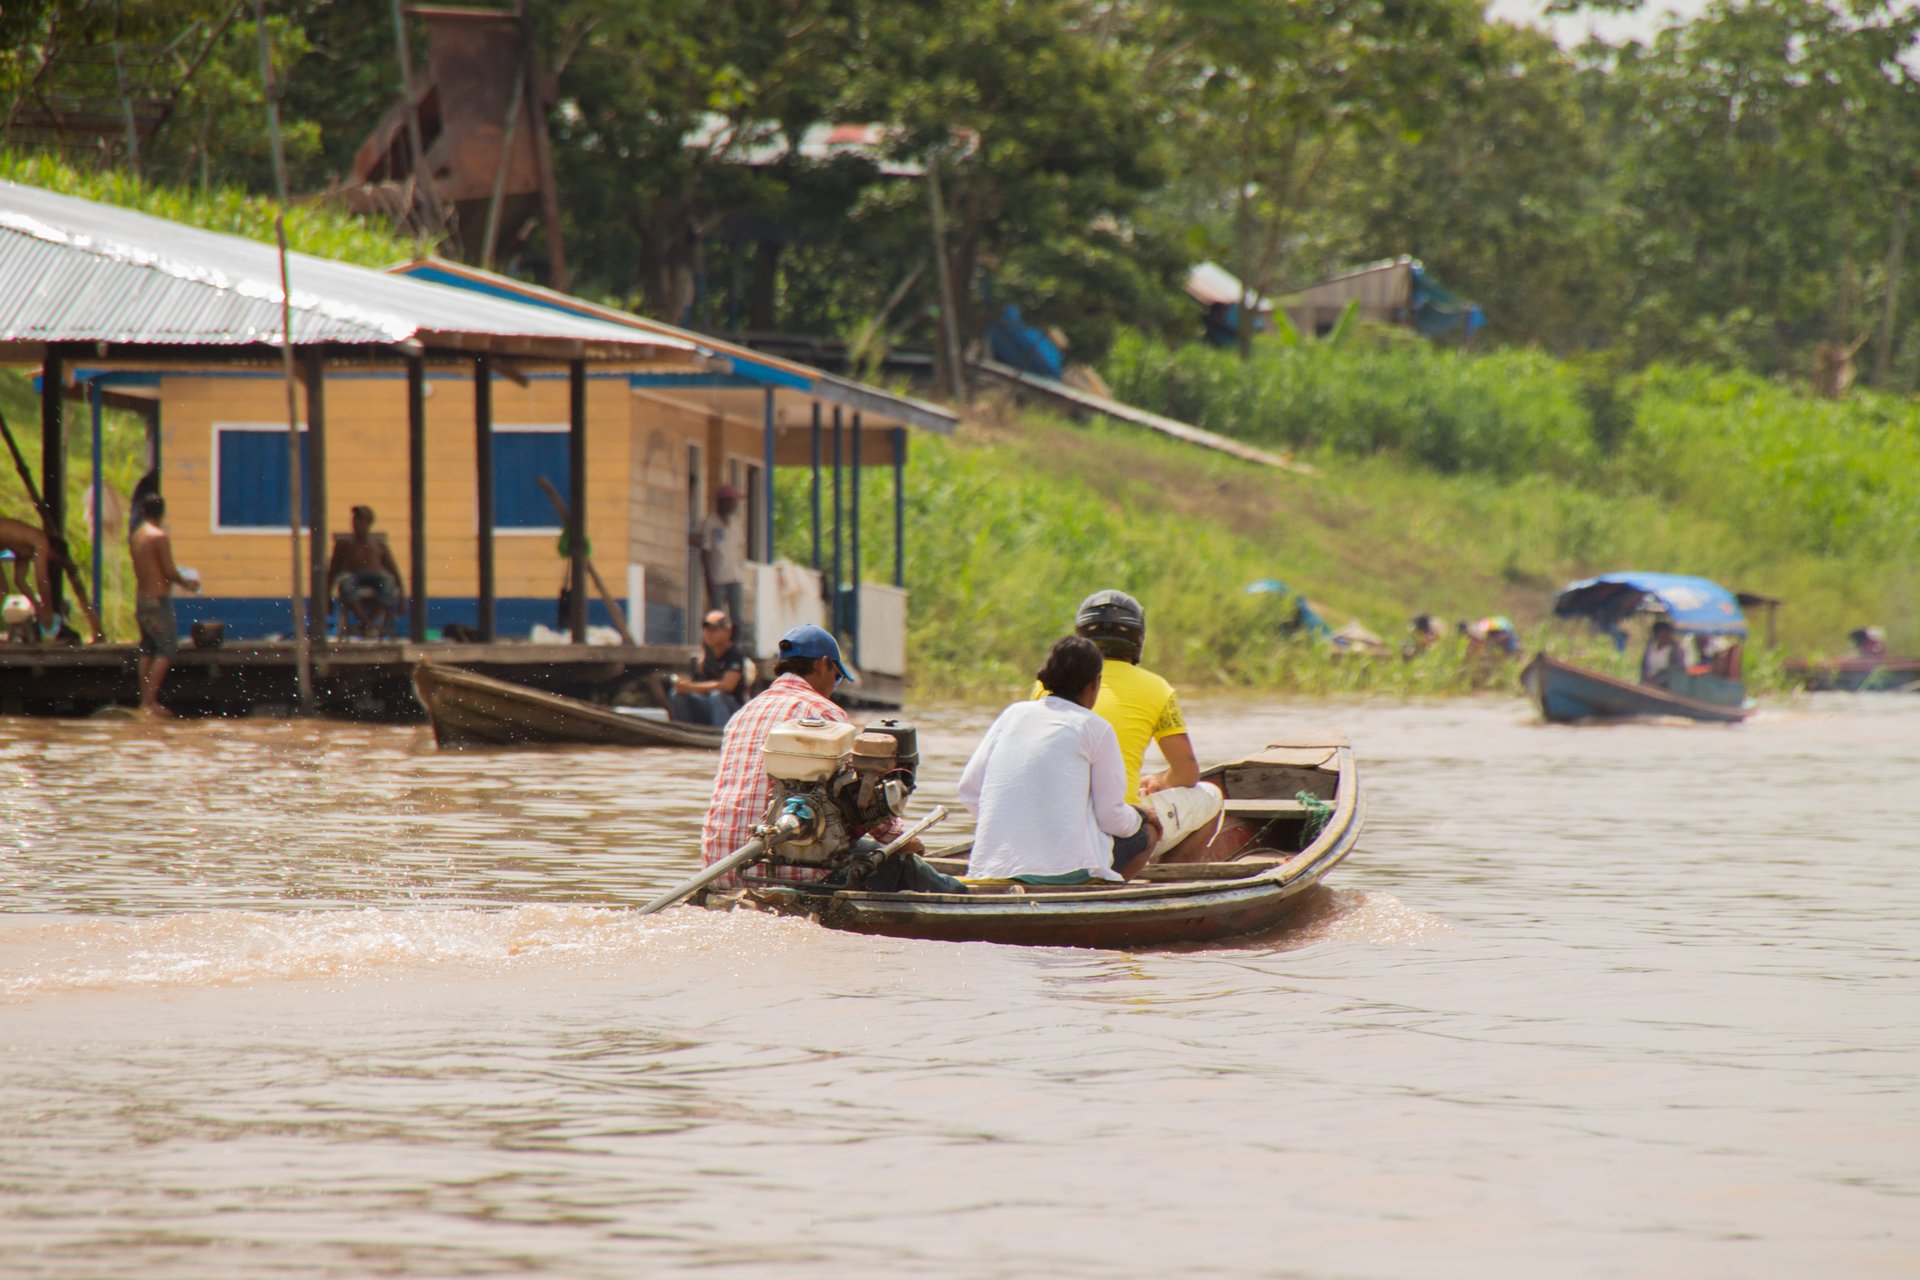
point(1279, 88)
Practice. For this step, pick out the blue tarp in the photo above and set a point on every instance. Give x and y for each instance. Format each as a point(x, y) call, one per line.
point(1437, 310)
point(1690, 604)
point(1015, 342)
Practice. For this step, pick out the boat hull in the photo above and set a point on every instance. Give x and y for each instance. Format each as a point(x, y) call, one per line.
point(1566, 694)
point(469, 710)
point(1220, 900)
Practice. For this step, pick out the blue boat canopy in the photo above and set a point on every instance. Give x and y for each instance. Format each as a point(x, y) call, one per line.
point(1690, 604)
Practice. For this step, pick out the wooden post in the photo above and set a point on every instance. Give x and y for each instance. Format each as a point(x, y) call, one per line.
point(949, 315)
point(417, 175)
point(319, 533)
point(1890, 303)
point(833, 610)
point(483, 478)
point(94, 393)
point(417, 498)
point(853, 520)
point(53, 466)
point(766, 479)
point(577, 499)
point(816, 486)
point(543, 157)
point(900, 506)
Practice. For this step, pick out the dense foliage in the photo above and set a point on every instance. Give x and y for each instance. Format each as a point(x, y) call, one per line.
point(1736, 190)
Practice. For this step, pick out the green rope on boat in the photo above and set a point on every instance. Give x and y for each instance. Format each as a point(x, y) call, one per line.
point(1318, 811)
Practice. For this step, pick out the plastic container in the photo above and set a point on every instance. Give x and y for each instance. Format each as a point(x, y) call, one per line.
point(807, 750)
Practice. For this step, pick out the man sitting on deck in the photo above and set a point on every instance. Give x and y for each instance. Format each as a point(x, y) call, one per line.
point(1048, 785)
point(1142, 708)
point(719, 683)
point(361, 565)
point(806, 668)
point(30, 548)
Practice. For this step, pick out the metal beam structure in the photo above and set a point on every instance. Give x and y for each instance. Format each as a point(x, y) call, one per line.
point(483, 493)
point(319, 536)
point(577, 499)
point(417, 499)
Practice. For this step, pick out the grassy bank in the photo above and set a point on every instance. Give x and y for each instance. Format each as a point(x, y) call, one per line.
point(1014, 520)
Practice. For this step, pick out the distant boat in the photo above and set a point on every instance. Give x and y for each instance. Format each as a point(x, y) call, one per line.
point(1858, 674)
point(1566, 694)
point(469, 710)
point(1244, 876)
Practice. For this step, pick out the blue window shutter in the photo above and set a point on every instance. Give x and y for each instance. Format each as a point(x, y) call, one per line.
point(253, 479)
point(519, 459)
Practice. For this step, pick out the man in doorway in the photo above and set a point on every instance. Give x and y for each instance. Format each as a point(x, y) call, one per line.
point(154, 577)
point(806, 669)
point(365, 576)
point(718, 539)
point(1142, 708)
point(718, 685)
point(32, 552)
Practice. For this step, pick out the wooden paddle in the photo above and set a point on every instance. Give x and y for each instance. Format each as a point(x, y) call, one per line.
point(606, 596)
point(56, 537)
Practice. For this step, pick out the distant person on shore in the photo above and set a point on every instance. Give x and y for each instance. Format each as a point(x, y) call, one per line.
point(154, 577)
point(1426, 631)
point(1494, 634)
point(32, 554)
point(364, 574)
point(1868, 642)
point(718, 539)
point(1143, 708)
point(1665, 657)
point(1048, 786)
point(718, 686)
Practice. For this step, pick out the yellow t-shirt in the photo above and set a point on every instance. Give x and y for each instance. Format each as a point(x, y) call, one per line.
point(1141, 707)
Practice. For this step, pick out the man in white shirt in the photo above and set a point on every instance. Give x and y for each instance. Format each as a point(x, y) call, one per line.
point(721, 558)
point(1048, 786)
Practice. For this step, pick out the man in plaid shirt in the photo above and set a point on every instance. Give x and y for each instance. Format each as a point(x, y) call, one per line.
point(806, 669)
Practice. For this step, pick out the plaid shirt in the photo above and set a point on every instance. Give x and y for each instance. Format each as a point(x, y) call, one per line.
point(742, 788)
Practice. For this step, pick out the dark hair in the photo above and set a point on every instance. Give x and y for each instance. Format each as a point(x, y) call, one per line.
point(152, 507)
point(1073, 663)
point(794, 666)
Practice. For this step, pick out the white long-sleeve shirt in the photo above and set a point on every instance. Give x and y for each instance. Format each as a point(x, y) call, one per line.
point(1048, 788)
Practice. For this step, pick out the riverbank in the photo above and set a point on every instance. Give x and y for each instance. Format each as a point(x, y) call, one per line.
point(1015, 519)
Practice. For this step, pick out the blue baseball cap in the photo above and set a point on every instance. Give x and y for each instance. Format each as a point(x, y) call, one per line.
point(809, 641)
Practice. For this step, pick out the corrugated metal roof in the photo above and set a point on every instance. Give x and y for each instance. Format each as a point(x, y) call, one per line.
point(72, 270)
point(757, 365)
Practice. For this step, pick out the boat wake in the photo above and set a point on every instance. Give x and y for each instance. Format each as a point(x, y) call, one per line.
point(229, 948)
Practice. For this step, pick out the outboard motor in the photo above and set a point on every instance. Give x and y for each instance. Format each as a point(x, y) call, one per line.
point(830, 780)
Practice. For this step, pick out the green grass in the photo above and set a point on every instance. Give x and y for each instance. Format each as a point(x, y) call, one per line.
point(311, 228)
point(1017, 518)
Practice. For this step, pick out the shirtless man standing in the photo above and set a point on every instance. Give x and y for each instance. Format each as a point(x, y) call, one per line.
point(154, 577)
point(29, 546)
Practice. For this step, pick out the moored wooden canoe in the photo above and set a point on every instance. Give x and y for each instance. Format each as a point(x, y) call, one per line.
point(1566, 694)
point(1245, 875)
point(469, 710)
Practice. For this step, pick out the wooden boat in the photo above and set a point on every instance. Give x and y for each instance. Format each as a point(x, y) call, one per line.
point(469, 710)
point(1858, 675)
point(1243, 875)
point(1566, 693)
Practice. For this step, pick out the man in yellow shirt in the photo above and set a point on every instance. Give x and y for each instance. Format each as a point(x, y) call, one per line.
point(1143, 708)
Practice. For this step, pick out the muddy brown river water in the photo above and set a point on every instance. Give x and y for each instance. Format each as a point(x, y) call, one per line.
point(317, 1000)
